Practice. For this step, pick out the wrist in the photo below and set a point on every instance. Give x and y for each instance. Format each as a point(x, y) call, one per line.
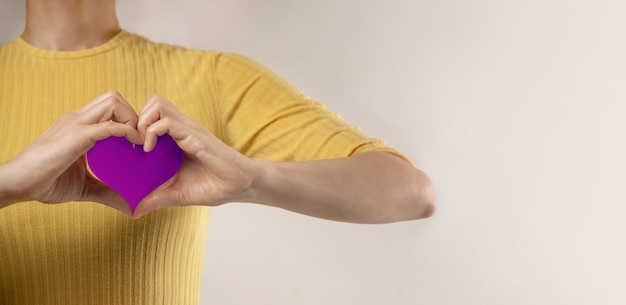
point(259, 171)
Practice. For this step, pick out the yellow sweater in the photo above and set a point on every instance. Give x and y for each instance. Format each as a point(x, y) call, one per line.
point(87, 253)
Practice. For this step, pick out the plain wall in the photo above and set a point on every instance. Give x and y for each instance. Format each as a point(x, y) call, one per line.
point(514, 108)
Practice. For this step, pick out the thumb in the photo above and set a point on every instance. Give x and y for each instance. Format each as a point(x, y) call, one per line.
point(101, 193)
point(159, 198)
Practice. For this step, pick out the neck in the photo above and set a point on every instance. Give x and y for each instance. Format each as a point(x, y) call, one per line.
point(70, 25)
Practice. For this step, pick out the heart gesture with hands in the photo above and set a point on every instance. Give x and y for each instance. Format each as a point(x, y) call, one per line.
point(53, 169)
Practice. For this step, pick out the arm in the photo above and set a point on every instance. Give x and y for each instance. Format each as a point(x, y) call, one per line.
point(52, 169)
point(267, 118)
point(371, 187)
point(6, 194)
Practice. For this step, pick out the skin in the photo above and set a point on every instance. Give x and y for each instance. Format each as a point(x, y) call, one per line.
point(70, 25)
point(372, 187)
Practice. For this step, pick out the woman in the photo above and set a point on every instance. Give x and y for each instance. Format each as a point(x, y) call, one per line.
point(248, 136)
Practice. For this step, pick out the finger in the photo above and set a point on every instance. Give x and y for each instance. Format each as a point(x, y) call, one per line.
point(180, 132)
point(97, 191)
point(110, 106)
point(161, 104)
point(103, 130)
point(157, 108)
point(159, 198)
point(104, 96)
point(107, 196)
point(78, 142)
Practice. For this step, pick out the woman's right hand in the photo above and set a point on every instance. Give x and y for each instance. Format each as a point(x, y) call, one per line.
point(52, 169)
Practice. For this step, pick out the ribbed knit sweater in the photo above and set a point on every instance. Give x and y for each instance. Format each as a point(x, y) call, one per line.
point(87, 253)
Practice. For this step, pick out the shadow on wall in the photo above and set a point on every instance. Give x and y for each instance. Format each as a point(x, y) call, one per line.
point(12, 18)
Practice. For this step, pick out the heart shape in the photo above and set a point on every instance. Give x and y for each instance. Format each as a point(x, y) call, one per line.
point(130, 171)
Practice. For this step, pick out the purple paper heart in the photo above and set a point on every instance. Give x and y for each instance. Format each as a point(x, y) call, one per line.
point(130, 171)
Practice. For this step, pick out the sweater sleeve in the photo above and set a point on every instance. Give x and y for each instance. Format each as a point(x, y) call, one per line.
point(266, 117)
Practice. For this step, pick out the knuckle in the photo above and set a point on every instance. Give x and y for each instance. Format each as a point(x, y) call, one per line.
point(156, 97)
point(159, 101)
point(110, 126)
point(167, 121)
point(69, 116)
point(113, 93)
point(195, 124)
point(112, 100)
point(151, 129)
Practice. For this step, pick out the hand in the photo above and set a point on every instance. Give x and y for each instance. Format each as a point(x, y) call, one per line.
point(52, 169)
point(212, 173)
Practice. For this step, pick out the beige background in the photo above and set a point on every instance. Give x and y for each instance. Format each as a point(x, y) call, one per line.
point(515, 109)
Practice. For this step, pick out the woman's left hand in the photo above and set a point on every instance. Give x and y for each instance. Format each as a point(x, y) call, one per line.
point(212, 173)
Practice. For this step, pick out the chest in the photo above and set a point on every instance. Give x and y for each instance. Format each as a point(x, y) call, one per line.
point(33, 97)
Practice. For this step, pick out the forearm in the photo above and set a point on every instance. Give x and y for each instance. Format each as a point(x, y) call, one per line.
point(373, 187)
point(7, 194)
